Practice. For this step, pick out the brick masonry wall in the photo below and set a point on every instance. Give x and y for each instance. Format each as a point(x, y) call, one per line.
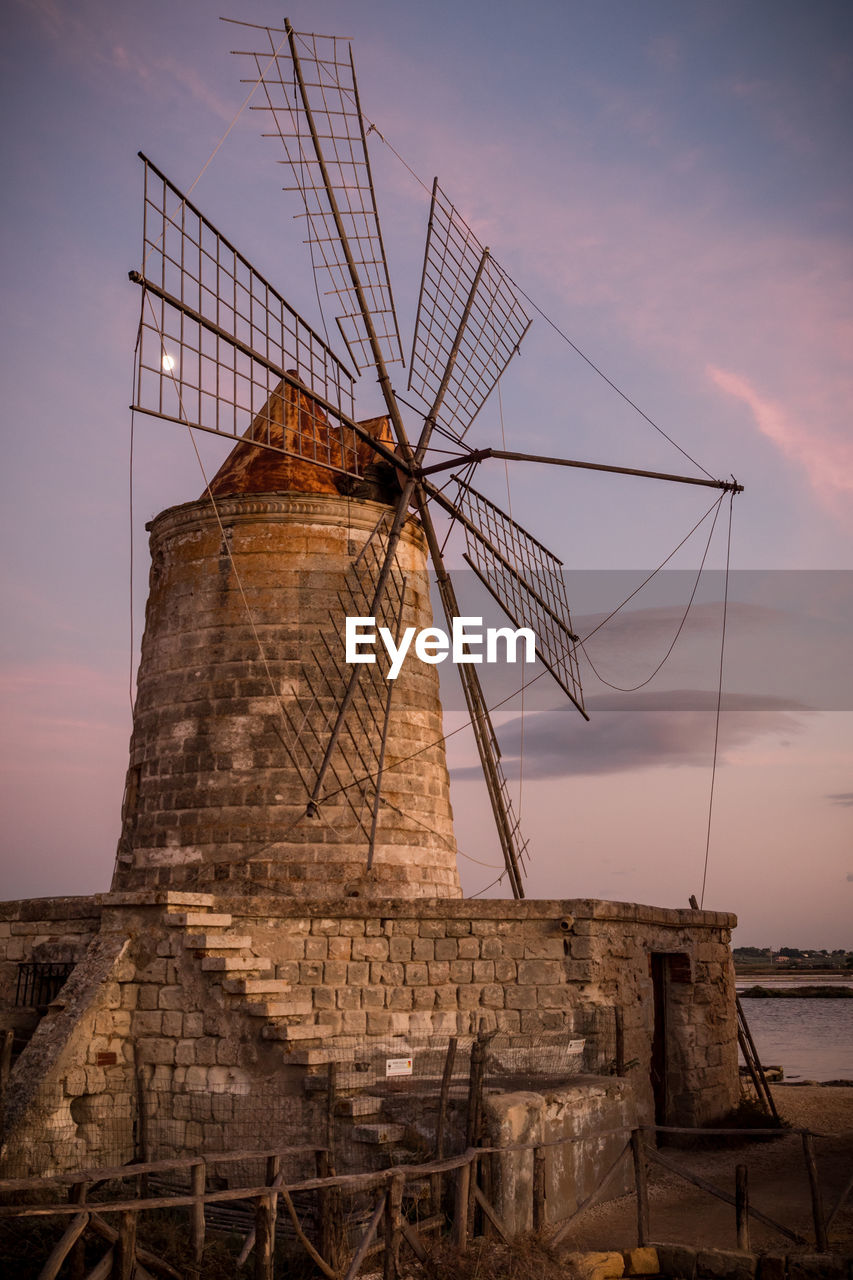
point(43, 930)
point(351, 968)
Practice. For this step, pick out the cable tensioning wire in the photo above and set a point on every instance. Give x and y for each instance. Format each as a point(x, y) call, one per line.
point(719, 701)
point(634, 687)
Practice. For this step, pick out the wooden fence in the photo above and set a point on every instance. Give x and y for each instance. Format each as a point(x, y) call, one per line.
point(387, 1230)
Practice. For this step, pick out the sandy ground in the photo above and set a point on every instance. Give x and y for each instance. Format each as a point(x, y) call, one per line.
point(778, 1185)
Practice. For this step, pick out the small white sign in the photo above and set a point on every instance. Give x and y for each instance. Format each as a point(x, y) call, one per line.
point(398, 1066)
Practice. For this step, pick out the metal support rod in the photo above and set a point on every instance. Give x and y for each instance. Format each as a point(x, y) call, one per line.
point(728, 486)
point(377, 792)
point(814, 1187)
point(477, 711)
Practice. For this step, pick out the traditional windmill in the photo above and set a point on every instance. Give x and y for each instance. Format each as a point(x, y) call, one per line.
point(220, 350)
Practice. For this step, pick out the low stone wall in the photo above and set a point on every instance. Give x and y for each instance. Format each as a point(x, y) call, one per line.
point(231, 1009)
point(47, 930)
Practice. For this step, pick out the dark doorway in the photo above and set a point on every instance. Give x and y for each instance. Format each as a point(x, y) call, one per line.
point(671, 976)
point(659, 964)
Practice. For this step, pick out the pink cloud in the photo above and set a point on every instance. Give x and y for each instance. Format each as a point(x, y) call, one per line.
point(827, 460)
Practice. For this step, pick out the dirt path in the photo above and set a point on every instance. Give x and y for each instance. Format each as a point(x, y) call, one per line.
point(778, 1185)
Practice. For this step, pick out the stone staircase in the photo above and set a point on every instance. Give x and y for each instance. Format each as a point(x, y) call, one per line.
point(248, 981)
point(284, 1015)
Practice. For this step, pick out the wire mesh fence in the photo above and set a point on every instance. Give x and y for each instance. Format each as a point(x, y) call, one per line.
point(376, 1103)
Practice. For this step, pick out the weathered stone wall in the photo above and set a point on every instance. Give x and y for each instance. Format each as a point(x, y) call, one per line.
point(226, 1000)
point(45, 930)
point(227, 741)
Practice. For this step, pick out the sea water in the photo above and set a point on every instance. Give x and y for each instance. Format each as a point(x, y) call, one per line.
point(810, 1039)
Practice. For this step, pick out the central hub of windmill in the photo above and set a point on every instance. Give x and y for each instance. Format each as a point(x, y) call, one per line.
point(242, 671)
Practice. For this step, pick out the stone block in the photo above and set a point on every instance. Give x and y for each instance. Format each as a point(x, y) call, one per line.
point(417, 974)
point(432, 929)
point(641, 1262)
point(677, 1260)
point(446, 948)
point(423, 949)
point(724, 1264)
point(171, 998)
point(193, 1025)
point(340, 948)
point(370, 948)
point(147, 1022)
point(400, 948)
point(461, 971)
point(157, 1050)
point(205, 1051)
point(185, 1053)
point(316, 948)
point(540, 973)
point(817, 1266)
point(595, 1266)
point(147, 996)
point(771, 1266)
point(468, 948)
point(173, 1023)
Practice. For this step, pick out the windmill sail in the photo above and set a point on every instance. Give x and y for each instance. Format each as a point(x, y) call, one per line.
point(220, 348)
point(469, 321)
point(526, 580)
point(312, 105)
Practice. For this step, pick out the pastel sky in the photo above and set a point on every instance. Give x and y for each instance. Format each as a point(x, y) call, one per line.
point(671, 186)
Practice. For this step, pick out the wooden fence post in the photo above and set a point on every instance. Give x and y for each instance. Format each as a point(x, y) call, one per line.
point(393, 1206)
point(124, 1254)
point(435, 1182)
point(460, 1217)
point(817, 1202)
point(538, 1188)
point(642, 1187)
point(263, 1238)
point(742, 1206)
point(198, 1176)
point(77, 1256)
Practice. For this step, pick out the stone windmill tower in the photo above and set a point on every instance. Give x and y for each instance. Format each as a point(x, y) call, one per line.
point(258, 755)
point(242, 664)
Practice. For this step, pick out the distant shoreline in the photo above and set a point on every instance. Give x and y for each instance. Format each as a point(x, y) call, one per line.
point(797, 993)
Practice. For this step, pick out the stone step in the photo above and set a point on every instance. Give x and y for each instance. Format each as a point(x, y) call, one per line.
point(309, 1058)
point(297, 1006)
point(378, 1134)
point(254, 965)
point(175, 898)
point(218, 941)
point(362, 1104)
point(298, 1031)
point(255, 986)
point(198, 919)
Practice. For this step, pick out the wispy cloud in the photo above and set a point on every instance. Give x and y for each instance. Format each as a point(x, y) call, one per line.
point(556, 746)
point(827, 459)
point(844, 798)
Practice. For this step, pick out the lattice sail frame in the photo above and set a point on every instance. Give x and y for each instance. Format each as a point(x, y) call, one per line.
point(526, 580)
point(312, 100)
point(217, 340)
point(466, 296)
point(355, 768)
